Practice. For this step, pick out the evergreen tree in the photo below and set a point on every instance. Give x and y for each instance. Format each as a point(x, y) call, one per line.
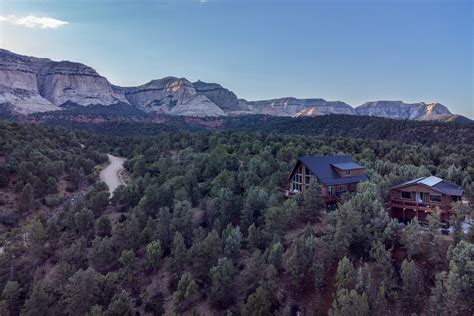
point(178, 259)
point(411, 237)
point(11, 295)
point(38, 301)
point(103, 227)
point(313, 201)
point(232, 238)
point(187, 287)
point(274, 255)
point(345, 274)
point(153, 254)
point(258, 303)
point(81, 292)
point(349, 303)
point(221, 292)
point(26, 198)
point(410, 285)
point(120, 305)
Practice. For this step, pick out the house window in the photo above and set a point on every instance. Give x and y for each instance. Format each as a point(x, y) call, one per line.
point(347, 172)
point(330, 190)
point(307, 179)
point(435, 198)
point(406, 195)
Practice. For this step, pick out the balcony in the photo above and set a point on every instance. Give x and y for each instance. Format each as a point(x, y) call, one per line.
point(428, 207)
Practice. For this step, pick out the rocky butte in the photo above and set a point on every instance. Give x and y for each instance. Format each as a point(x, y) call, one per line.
point(30, 84)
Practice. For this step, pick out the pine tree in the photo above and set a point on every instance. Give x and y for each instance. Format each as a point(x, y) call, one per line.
point(349, 303)
point(103, 227)
point(120, 305)
point(38, 301)
point(221, 293)
point(81, 292)
point(187, 287)
point(11, 295)
point(26, 198)
point(232, 238)
point(345, 274)
point(258, 303)
point(411, 237)
point(178, 259)
point(153, 254)
point(410, 286)
point(313, 201)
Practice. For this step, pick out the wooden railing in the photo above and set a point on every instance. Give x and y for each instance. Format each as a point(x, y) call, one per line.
point(420, 206)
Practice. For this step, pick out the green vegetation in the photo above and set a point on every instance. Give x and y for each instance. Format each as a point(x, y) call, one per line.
point(201, 227)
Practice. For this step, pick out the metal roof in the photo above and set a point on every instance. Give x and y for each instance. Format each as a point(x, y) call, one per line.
point(347, 165)
point(321, 167)
point(437, 184)
point(431, 181)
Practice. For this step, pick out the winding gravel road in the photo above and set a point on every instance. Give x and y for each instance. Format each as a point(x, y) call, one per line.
point(111, 174)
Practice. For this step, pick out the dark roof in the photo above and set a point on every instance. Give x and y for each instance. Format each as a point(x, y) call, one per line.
point(321, 167)
point(435, 183)
point(347, 165)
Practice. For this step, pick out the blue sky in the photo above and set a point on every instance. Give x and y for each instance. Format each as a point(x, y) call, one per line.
point(353, 51)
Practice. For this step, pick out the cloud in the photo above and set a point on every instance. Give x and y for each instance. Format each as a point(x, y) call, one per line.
point(203, 1)
point(32, 21)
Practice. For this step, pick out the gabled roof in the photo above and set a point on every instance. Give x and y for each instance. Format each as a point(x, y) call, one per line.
point(322, 168)
point(436, 184)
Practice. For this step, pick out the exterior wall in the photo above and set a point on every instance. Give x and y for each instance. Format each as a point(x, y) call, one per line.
point(354, 172)
point(302, 177)
point(407, 208)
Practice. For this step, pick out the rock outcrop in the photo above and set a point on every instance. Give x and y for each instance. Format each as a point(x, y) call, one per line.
point(222, 97)
point(170, 95)
point(30, 84)
point(299, 107)
point(19, 86)
point(404, 111)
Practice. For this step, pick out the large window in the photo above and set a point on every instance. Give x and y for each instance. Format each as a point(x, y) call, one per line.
point(435, 198)
point(406, 195)
point(347, 172)
point(330, 190)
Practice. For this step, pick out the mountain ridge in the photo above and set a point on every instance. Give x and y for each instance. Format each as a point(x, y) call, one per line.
point(30, 84)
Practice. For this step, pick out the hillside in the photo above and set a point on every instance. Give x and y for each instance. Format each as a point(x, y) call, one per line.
point(201, 228)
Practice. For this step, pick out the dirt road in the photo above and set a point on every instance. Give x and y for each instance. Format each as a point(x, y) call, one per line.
point(111, 174)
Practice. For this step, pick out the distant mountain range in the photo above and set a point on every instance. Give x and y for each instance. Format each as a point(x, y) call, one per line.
point(30, 85)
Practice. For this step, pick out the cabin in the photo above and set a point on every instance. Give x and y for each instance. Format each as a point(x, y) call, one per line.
point(336, 174)
point(420, 197)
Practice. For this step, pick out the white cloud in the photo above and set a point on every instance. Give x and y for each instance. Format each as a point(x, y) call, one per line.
point(32, 21)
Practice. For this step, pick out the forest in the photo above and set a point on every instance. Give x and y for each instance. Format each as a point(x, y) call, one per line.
point(200, 228)
point(123, 121)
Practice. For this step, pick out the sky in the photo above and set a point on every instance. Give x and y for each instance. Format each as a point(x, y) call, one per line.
point(347, 50)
